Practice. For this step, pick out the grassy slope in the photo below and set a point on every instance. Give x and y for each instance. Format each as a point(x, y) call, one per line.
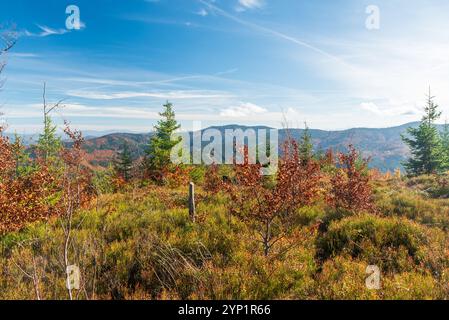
point(140, 244)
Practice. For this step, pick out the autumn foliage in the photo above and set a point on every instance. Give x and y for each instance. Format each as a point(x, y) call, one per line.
point(76, 178)
point(23, 199)
point(269, 206)
point(350, 186)
point(41, 192)
point(213, 182)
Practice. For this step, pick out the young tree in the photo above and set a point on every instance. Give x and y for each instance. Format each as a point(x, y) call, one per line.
point(76, 191)
point(425, 143)
point(161, 144)
point(24, 193)
point(306, 146)
point(124, 163)
point(49, 144)
point(270, 210)
point(7, 164)
point(24, 165)
point(24, 198)
point(350, 186)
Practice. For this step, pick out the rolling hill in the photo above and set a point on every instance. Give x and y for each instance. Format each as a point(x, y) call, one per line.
point(383, 145)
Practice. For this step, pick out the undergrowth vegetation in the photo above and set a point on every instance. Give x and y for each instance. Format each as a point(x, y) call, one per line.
point(140, 243)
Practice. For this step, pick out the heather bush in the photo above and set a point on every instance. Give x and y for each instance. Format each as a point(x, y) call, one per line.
point(435, 186)
point(395, 245)
point(412, 286)
point(343, 278)
point(414, 206)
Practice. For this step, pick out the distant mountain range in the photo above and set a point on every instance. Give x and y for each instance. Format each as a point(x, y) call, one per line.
point(384, 145)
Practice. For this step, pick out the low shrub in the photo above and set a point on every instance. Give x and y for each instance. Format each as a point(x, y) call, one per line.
point(393, 244)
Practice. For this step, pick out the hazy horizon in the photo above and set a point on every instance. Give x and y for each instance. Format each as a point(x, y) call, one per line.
point(98, 133)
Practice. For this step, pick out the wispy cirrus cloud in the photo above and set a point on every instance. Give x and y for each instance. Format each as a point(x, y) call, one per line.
point(82, 110)
point(46, 31)
point(157, 20)
point(249, 4)
point(272, 32)
point(243, 110)
point(23, 55)
point(246, 112)
point(175, 95)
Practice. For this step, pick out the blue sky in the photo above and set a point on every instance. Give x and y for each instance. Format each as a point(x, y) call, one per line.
point(226, 61)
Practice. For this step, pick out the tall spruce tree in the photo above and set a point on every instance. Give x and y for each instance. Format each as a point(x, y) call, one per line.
point(124, 162)
point(425, 143)
point(161, 144)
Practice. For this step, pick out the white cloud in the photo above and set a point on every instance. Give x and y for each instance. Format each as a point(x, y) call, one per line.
point(371, 107)
point(392, 108)
point(192, 94)
point(23, 55)
point(202, 12)
point(47, 31)
point(249, 4)
point(393, 68)
point(43, 32)
point(81, 110)
point(243, 110)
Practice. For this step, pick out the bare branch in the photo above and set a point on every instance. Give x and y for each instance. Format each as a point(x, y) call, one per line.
point(57, 105)
point(7, 41)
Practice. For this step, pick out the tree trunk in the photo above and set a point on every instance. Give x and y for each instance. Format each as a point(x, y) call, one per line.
point(192, 201)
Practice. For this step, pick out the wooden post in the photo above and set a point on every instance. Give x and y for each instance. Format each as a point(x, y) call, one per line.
point(192, 201)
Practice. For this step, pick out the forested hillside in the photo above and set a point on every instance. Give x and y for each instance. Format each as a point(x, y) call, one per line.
point(384, 146)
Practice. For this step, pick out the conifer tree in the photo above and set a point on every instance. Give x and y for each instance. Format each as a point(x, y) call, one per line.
point(22, 159)
point(425, 143)
point(306, 146)
point(124, 163)
point(161, 144)
point(49, 144)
